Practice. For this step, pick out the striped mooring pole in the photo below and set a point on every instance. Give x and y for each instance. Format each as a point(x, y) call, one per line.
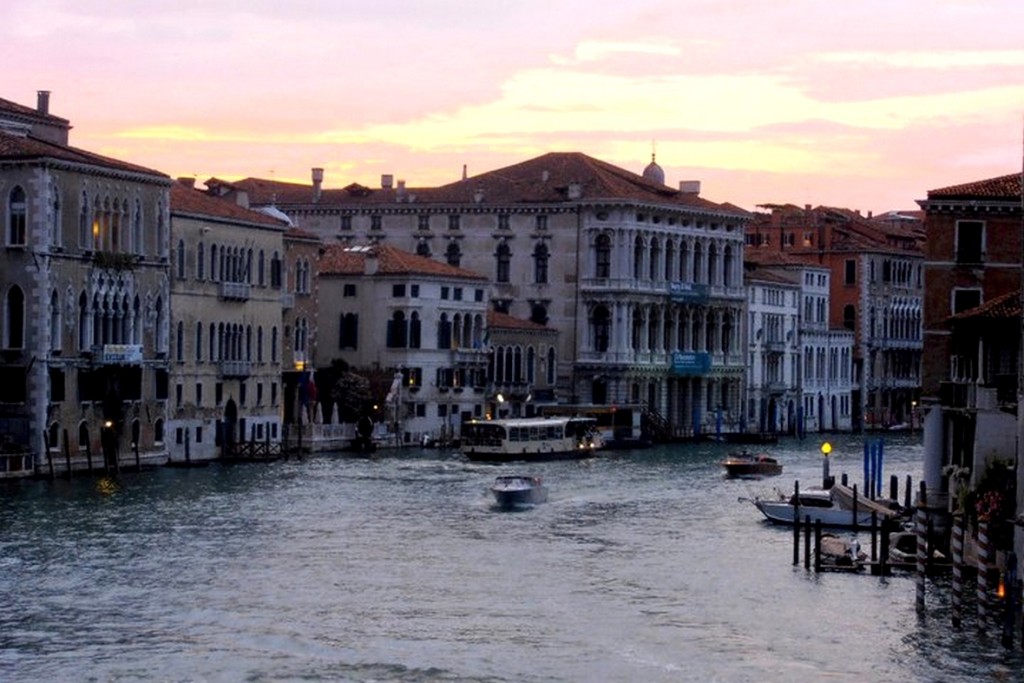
point(983, 559)
point(958, 568)
point(921, 531)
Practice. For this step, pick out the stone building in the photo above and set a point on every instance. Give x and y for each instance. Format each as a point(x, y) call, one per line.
point(876, 292)
point(424, 323)
point(970, 381)
point(227, 279)
point(642, 281)
point(85, 298)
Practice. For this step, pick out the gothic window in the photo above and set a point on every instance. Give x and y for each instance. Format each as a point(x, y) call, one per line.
point(423, 249)
point(444, 332)
point(603, 254)
point(199, 342)
point(17, 214)
point(397, 331)
point(540, 264)
point(55, 333)
point(179, 342)
point(84, 233)
point(14, 319)
point(414, 331)
point(638, 257)
point(503, 259)
point(181, 259)
point(55, 218)
point(453, 254)
point(600, 328)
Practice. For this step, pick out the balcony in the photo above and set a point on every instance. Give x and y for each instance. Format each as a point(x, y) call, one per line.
point(235, 368)
point(962, 395)
point(464, 356)
point(235, 291)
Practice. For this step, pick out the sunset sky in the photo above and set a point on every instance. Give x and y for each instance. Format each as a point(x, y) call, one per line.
point(864, 105)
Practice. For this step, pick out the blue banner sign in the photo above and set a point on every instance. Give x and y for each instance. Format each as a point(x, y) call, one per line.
point(691, 363)
point(688, 292)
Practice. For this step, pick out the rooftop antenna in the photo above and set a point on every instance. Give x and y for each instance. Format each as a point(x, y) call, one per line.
point(654, 149)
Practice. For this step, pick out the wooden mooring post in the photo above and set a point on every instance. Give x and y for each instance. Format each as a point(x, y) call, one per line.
point(796, 523)
point(983, 566)
point(921, 529)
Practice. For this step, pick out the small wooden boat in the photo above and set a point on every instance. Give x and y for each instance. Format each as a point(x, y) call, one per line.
point(512, 491)
point(745, 464)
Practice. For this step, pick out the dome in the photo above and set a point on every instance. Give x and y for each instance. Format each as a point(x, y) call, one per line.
point(654, 173)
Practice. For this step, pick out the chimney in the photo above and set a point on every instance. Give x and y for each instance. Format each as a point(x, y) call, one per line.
point(370, 262)
point(464, 170)
point(689, 186)
point(43, 101)
point(387, 181)
point(575, 190)
point(190, 183)
point(318, 181)
point(400, 191)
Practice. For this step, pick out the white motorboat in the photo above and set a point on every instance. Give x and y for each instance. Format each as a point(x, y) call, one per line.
point(813, 504)
point(511, 491)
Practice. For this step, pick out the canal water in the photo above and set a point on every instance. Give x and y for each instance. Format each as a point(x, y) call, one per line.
point(643, 566)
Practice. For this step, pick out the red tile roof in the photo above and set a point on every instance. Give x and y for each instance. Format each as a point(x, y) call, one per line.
point(1004, 307)
point(1003, 187)
point(185, 200)
point(544, 179)
point(505, 321)
point(342, 259)
point(7, 106)
point(19, 148)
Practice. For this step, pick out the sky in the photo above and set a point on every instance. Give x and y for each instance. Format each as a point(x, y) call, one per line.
point(862, 105)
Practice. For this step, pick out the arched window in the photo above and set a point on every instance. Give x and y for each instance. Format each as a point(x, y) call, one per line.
point(551, 369)
point(261, 266)
point(453, 254)
point(200, 261)
point(398, 331)
point(181, 259)
point(158, 431)
point(503, 263)
point(14, 319)
point(414, 331)
point(423, 248)
point(638, 257)
point(652, 267)
point(160, 324)
point(212, 342)
point(17, 216)
point(600, 328)
point(137, 229)
point(444, 332)
point(199, 342)
point(53, 436)
point(850, 317)
point(273, 344)
point(55, 218)
point(603, 256)
point(214, 272)
point(56, 342)
point(540, 263)
point(84, 233)
point(83, 436)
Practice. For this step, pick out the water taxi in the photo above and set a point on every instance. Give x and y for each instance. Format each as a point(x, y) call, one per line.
point(532, 438)
point(514, 491)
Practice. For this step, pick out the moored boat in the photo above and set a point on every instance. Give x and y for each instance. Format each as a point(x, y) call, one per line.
point(814, 505)
point(513, 490)
point(746, 464)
